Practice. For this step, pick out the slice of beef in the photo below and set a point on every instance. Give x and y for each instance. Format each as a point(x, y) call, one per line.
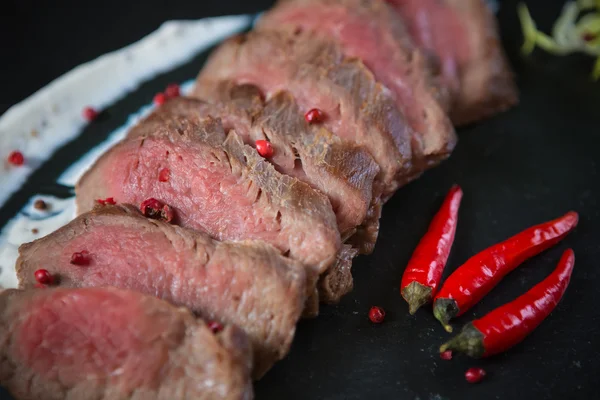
point(334, 284)
point(464, 34)
point(215, 184)
point(248, 284)
point(103, 343)
point(337, 282)
point(318, 75)
point(370, 31)
point(310, 153)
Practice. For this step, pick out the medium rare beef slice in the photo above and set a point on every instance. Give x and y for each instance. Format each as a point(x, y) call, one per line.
point(316, 73)
point(103, 343)
point(215, 184)
point(464, 35)
point(372, 32)
point(342, 171)
point(248, 284)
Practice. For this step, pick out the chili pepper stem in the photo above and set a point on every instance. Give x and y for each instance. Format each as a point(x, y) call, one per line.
point(469, 341)
point(444, 310)
point(416, 295)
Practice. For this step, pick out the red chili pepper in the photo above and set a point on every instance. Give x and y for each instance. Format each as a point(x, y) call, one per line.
point(509, 324)
point(424, 271)
point(475, 278)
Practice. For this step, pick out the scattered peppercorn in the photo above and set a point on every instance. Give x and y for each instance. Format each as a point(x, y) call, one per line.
point(90, 114)
point(108, 201)
point(163, 175)
point(474, 375)
point(43, 276)
point(40, 204)
point(80, 258)
point(35, 231)
point(155, 209)
point(264, 148)
point(159, 99)
point(446, 355)
point(314, 116)
point(16, 158)
point(172, 91)
point(215, 326)
point(376, 315)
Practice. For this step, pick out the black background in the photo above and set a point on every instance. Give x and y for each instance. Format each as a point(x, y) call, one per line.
point(526, 166)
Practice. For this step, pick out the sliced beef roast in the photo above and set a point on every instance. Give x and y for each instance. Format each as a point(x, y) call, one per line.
point(310, 153)
point(370, 31)
point(102, 343)
point(248, 284)
point(215, 184)
point(464, 34)
point(318, 75)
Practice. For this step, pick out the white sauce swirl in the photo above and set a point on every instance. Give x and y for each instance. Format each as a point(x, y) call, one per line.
point(51, 117)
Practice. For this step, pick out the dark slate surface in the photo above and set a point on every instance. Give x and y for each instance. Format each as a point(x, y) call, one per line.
point(529, 165)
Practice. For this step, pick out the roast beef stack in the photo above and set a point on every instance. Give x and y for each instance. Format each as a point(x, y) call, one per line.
point(355, 98)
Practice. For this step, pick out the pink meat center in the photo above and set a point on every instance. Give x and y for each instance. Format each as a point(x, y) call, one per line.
point(71, 338)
